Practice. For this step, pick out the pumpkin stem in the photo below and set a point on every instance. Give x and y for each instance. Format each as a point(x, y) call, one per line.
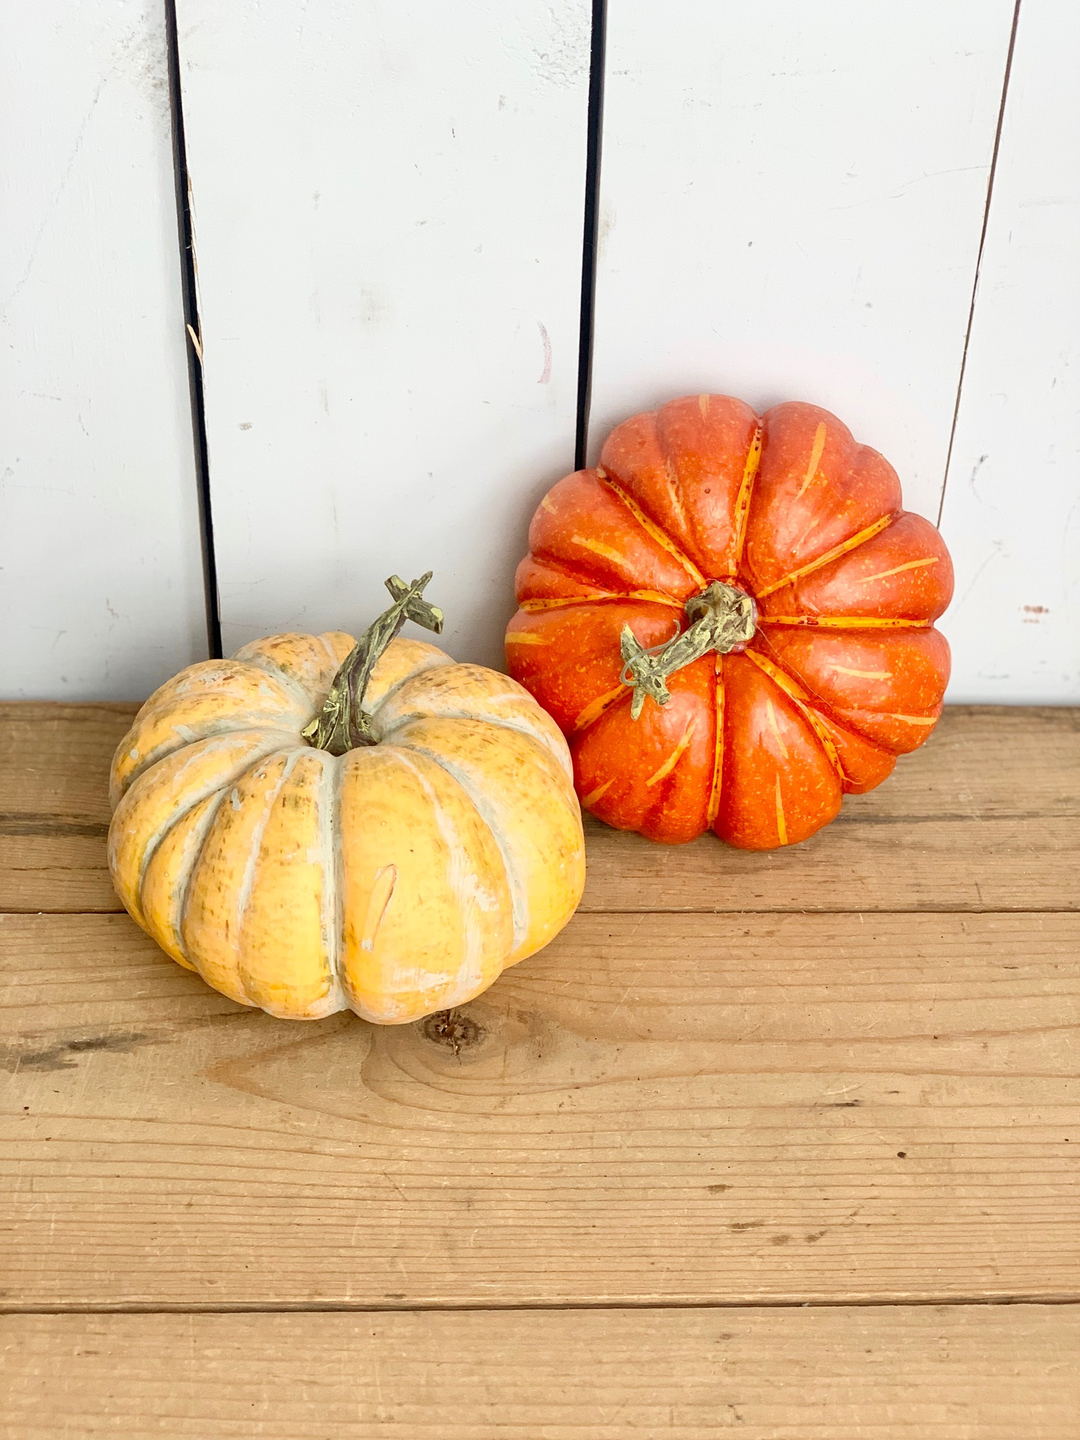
point(344, 724)
point(722, 619)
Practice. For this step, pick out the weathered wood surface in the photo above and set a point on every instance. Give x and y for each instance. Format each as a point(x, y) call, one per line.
point(668, 1108)
point(54, 804)
point(659, 1109)
point(985, 817)
point(890, 1373)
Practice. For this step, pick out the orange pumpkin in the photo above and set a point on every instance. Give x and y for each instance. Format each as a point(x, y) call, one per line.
point(731, 619)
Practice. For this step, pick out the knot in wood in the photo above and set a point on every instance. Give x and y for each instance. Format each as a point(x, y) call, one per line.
point(453, 1029)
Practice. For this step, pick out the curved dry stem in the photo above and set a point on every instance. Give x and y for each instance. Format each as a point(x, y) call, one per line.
point(722, 619)
point(344, 724)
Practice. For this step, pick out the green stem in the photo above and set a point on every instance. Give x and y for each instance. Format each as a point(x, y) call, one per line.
point(722, 619)
point(344, 724)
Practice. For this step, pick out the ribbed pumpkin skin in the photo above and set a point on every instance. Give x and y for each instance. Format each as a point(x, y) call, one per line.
point(844, 672)
point(395, 880)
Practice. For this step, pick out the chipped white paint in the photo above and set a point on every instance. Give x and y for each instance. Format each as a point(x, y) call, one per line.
point(1012, 506)
point(388, 210)
point(100, 568)
point(791, 203)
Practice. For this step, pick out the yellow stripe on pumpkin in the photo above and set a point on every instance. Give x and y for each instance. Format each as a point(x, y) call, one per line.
point(775, 727)
point(594, 795)
point(781, 822)
point(899, 569)
point(675, 756)
point(844, 548)
point(816, 453)
point(655, 533)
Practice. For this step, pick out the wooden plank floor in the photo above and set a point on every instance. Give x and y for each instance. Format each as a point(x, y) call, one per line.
point(890, 1373)
point(843, 1077)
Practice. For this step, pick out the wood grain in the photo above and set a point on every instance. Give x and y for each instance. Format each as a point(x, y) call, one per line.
point(658, 1109)
point(943, 1373)
point(986, 816)
point(54, 804)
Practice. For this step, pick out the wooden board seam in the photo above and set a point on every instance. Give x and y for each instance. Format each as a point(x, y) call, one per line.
point(308, 1307)
point(682, 910)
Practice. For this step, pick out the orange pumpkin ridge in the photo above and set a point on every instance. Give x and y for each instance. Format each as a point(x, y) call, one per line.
point(843, 669)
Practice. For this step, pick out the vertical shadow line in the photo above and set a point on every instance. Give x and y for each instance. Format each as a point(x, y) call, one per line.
point(594, 134)
point(979, 255)
point(189, 285)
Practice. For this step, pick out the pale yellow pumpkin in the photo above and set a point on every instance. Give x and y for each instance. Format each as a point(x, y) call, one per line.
point(396, 879)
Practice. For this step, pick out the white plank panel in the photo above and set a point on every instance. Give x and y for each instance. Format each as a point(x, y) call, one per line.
point(388, 208)
point(1012, 506)
point(791, 202)
point(100, 570)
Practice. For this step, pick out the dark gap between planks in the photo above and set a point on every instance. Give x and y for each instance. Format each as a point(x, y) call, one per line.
point(190, 291)
point(594, 135)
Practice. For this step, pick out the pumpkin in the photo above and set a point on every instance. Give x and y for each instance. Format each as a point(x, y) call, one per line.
point(319, 824)
point(731, 619)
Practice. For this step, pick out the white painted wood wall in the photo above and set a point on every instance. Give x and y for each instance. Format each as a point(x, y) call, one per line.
point(101, 590)
point(794, 201)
